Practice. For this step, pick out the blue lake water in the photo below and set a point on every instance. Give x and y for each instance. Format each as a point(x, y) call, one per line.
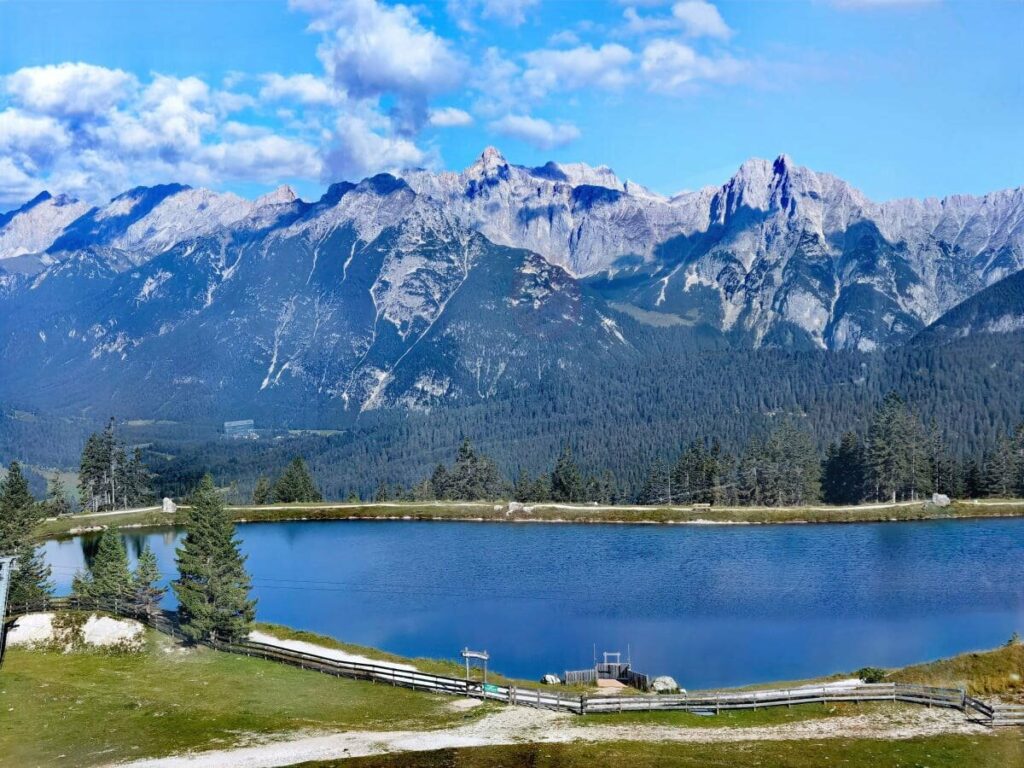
point(710, 605)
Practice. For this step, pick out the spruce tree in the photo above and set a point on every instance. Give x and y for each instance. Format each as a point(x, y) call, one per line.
point(296, 485)
point(19, 514)
point(146, 594)
point(57, 503)
point(212, 585)
point(566, 480)
point(262, 492)
point(110, 577)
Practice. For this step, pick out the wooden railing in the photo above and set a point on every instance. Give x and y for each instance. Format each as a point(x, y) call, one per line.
point(704, 702)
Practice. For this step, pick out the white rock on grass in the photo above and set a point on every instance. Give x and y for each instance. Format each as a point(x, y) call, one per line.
point(31, 630)
point(104, 631)
point(36, 629)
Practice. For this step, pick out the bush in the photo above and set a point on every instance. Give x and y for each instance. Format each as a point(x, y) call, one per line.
point(871, 674)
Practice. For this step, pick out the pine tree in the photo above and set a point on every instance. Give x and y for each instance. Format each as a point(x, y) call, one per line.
point(296, 484)
point(1000, 470)
point(18, 516)
point(844, 471)
point(566, 480)
point(146, 594)
point(656, 487)
point(898, 464)
point(212, 586)
point(57, 503)
point(262, 492)
point(110, 577)
point(381, 494)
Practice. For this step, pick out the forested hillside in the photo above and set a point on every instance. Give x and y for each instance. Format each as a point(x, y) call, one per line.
point(624, 419)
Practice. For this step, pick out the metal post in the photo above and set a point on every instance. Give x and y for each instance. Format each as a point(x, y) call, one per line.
point(6, 568)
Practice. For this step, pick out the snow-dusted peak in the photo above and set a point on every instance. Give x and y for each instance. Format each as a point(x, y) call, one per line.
point(578, 174)
point(34, 226)
point(283, 195)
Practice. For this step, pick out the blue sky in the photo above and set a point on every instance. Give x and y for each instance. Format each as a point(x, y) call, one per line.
point(900, 97)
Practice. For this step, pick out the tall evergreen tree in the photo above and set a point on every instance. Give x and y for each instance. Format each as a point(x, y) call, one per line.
point(262, 493)
point(146, 594)
point(110, 578)
point(19, 514)
point(296, 484)
point(844, 471)
point(656, 488)
point(566, 480)
point(57, 503)
point(212, 585)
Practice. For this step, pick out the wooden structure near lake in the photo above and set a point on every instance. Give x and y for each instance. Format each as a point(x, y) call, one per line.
point(610, 668)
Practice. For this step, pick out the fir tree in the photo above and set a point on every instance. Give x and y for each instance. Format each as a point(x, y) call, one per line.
point(844, 471)
point(262, 492)
point(566, 480)
point(57, 503)
point(212, 586)
point(381, 494)
point(296, 485)
point(110, 578)
point(18, 516)
point(146, 594)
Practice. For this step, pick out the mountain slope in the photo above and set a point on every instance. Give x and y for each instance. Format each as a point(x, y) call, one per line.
point(998, 309)
point(429, 289)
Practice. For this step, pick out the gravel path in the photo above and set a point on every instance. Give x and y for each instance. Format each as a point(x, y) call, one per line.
point(514, 725)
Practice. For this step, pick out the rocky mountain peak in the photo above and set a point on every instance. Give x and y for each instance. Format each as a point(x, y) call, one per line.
point(283, 195)
point(488, 164)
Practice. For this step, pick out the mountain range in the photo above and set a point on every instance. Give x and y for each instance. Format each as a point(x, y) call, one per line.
point(423, 289)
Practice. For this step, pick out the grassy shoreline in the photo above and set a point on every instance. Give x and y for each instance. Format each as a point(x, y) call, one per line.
point(550, 513)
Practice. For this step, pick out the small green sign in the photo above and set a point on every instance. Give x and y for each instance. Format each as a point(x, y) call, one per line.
point(488, 688)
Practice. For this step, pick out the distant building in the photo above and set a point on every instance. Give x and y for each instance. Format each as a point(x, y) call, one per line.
point(244, 429)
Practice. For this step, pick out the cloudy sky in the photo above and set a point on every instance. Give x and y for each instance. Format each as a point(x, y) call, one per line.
point(901, 97)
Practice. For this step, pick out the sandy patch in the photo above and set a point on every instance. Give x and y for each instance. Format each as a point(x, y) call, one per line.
point(319, 650)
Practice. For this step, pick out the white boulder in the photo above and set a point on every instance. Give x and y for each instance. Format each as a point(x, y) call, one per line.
point(664, 684)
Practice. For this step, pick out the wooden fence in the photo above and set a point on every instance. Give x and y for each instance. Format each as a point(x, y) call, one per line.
point(702, 702)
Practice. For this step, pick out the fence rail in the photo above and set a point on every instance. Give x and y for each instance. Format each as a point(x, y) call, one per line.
point(703, 701)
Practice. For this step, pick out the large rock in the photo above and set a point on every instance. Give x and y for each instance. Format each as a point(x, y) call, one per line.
point(940, 500)
point(664, 684)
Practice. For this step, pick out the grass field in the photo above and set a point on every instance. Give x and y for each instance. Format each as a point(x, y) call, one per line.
point(103, 708)
point(996, 750)
point(982, 673)
point(495, 512)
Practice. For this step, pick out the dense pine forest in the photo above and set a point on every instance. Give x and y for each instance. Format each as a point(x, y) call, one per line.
point(626, 426)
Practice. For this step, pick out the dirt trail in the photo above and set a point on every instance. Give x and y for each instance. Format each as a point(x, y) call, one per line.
point(515, 725)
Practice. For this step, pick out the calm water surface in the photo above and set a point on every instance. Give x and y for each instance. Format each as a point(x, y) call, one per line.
point(710, 605)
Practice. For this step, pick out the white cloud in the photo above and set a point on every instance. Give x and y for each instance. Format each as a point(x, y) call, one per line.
point(68, 89)
point(114, 132)
point(536, 131)
point(509, 12)
point(449, 117)
point(358, 150)
point(565, 37)
point(672, 67)
point(701, 19)
point(371, 49)
point(305, 89)
point(265, 159)
point(585, 66)
point(694, 18)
